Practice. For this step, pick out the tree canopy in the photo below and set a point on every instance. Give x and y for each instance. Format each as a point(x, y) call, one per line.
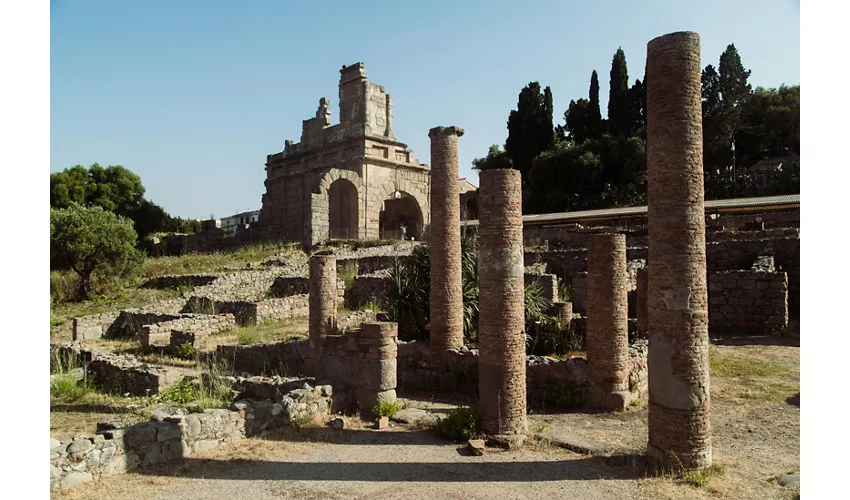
point(115, 189)
point(595, 163)
point(92, 241)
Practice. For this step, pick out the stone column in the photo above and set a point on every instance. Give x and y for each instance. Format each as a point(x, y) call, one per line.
point(377, 346)
point(564, 312)
point(501, 324)
point(323, 294)
point(677, 296)
point(640, 302)
point(607, 322)
point(446, 313)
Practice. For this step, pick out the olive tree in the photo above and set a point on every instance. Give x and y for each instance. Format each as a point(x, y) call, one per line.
point(92, 241)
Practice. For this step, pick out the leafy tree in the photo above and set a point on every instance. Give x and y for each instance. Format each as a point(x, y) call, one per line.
point(578, 120)
point(113, 188)
point(594, 115)
point(496, 158)
point(770, 124)
point(618, 107)
point(151, 218)
point(92, 241)
point(636, 99)
point(530, 128)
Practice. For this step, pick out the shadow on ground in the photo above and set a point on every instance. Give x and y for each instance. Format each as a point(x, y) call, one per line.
point(467, 468)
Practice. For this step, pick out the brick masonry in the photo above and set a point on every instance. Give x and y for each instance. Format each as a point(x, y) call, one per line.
point(446, 301)
point(679, 402)
point(607, 321)
point(323, 294)
point(502, 315)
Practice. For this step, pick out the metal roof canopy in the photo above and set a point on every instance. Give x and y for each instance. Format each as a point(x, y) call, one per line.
point(782, 202)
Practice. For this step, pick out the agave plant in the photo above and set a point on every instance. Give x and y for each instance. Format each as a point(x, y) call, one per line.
point(409, 292)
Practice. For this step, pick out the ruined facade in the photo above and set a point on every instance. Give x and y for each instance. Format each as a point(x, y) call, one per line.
point(349, 180)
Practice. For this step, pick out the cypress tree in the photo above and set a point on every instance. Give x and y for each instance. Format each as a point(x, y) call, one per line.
point(594, 115)
point(618, 109)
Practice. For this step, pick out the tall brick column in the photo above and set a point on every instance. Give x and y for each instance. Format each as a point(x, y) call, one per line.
point(640, 302)
point(677, 302)
point(501, 324)
point(607, 321)
point(446, 314)
point(323, 294)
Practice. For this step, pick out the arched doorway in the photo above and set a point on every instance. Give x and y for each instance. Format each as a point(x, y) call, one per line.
point(342, 210)
point(401, 217)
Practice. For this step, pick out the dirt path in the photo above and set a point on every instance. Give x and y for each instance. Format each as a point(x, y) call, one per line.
point(756, 436)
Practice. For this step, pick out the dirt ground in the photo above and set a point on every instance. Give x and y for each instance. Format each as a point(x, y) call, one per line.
point(756, 435)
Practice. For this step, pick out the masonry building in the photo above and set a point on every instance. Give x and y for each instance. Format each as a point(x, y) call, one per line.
point(351, 180)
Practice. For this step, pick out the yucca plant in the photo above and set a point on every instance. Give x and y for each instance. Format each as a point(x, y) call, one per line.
point(409, 292)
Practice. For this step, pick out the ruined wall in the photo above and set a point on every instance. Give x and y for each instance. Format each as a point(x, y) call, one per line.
point(188, 328)
point(743, 302)
point(360, 151)
point(457, 374)
point(168, 438)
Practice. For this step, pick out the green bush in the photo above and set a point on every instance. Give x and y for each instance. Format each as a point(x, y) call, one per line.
point(95, 244)
point(186, 391)
point(546, 336)
point(66, 387)
point(387, 408)
point(460, 425)
point(186, 351)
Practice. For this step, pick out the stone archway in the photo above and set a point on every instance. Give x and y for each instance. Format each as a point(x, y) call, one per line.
point(401, 217)
point(337, 206)
point(342, 210)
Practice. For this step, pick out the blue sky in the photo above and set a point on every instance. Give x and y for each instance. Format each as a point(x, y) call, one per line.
point(192, 95)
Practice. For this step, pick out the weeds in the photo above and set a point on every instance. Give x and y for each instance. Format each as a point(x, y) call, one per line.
point(370, 306)
point(387, 409)
point(460, 425)
point(699, 477)
point(186, 351)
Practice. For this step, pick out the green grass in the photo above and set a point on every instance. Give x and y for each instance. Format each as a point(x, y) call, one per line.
point(347, 271)
point(265, 333)
point(724, 365)
point(370, 306)
point(121, 299)
point(752, 379)
point(68, 388)
point(701, 477)
point(213, 262)
point(387, 408)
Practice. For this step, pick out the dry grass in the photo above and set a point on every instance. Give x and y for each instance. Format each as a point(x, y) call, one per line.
point(214, 262)
point(71, 416)
point(749, 379)
point(126, 298)
point(266, 333)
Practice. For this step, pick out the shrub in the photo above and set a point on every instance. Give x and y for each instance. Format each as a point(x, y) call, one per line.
point(186, 391)
point(66, 386)
point(387, 408)
point(93, 243)
point(460, 425)
point(546, 336)
point(370, 306)
point(248, 337)
point(186, 351)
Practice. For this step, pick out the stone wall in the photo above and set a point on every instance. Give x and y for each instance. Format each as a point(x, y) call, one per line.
point(186, 328)
point(369, 288)
point(180, 280)
point(125, 323)
point(120, 374)
point(458, 374)
point(280, 358)
point(743, 302)
point(169, 438)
